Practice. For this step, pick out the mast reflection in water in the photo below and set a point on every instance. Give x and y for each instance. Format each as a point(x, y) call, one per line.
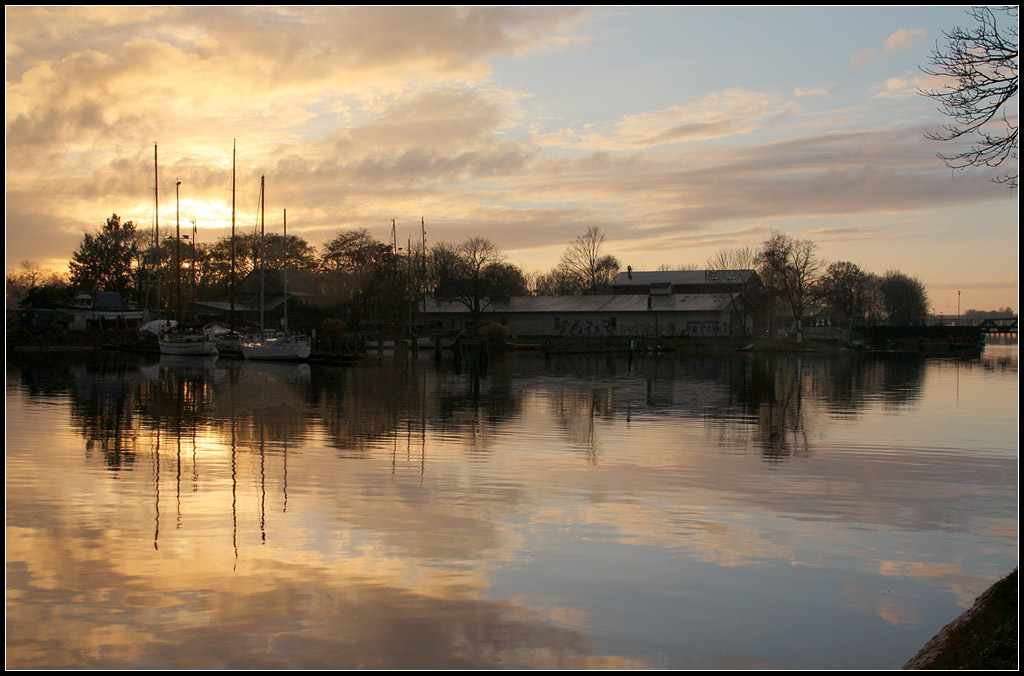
point(582, 512)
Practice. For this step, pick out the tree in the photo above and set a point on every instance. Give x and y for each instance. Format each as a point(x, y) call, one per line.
point(669, 267)
point(558, 282)
point(364, 279)
point(990, 314)
point(741, 258)
point(353, 251)
point(790, 269)
point(106, 261)
point(849, 293)
point(474, 273)
point(903, 297)
point(34, 286)
point(982, 63)
point(583, 259)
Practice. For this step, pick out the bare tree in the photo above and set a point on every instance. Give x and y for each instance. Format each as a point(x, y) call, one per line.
point(668, 267)
point(741, 258)
point(583, 259)
point(982, 64)
point(790, 268)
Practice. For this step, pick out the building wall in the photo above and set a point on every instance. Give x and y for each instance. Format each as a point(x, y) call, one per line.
point(605, 324)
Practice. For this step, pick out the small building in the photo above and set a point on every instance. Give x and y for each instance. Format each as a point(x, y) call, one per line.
point(267, 288)
point(101, 308)
point(655, 314)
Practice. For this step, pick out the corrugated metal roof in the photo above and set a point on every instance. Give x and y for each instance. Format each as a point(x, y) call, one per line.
point(680, 302)
point(682, 277)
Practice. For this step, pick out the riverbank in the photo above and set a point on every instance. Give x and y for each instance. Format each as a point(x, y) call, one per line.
point(982, 637)
point(685, 345)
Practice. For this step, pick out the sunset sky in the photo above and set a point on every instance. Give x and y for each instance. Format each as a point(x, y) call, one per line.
point(677, 130)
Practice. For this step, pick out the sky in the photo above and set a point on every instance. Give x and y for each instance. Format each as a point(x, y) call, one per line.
point(678, 131)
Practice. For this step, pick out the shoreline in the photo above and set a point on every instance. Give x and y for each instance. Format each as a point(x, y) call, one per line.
point(982, 637)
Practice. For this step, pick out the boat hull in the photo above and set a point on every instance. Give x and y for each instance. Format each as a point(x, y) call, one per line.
point(281, 349)
point(187, 347)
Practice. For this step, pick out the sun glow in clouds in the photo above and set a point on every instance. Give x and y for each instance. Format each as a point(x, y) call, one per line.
point(525, 125)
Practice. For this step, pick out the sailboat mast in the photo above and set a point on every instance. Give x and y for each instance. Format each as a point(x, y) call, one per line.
point(231, 314)
point(177, 251)
point(195, 236)
point(156, 226)
point(285, 327)
point(263, 251)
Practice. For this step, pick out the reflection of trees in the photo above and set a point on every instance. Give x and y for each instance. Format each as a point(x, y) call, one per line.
point(743, 401)
point(900, 381)
point(848, 383)
point(112, 399)
point(103, 393)
point(576, 411)
point(104, 405)
point(473, 406)
point(781, 424)
point(361, 405)
point(261, 402)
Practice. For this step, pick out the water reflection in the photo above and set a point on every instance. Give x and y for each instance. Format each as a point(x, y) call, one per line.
point(762, 401)
point(562, 513)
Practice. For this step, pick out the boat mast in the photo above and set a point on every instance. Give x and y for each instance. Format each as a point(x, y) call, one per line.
point(231, 314)
point(285, 270)
point(195, 236)
point(263, 251)
point(156, 227)
point(177, 251)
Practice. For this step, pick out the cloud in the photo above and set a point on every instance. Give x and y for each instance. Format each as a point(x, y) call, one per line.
point(360, 115)
point(901, 41)
point(904, 40)
point(251, 68)
point(811, 91)
point(903, 86)
point(717, 115)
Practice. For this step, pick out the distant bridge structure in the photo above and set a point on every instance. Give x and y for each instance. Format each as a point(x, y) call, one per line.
point(989, 326)
point(998, 327)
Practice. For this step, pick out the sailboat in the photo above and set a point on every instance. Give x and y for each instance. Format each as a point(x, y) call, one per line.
point(179, 340)
point(273, 343)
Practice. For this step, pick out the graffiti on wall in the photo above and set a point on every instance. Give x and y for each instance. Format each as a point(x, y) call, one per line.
point(594, 328)
point(585, 327)
point(704, 329)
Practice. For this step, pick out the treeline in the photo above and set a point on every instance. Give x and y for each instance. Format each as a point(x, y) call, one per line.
point(798, 278)
point(362, 278)
point(355, 273)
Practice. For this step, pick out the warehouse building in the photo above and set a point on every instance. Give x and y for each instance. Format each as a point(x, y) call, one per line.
point(649, 308)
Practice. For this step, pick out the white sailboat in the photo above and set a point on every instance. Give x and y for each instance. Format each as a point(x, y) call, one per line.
point(272, 343)
point(179, 340)
point(187, 342)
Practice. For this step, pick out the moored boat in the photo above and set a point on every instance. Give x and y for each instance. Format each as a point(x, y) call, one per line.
point(182, 341)
point(272, 343)
point(278, 345)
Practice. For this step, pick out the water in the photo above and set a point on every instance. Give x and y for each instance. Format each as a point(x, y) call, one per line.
point(585, 512)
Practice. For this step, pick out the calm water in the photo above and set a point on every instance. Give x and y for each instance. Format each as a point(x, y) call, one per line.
point(576, 513)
